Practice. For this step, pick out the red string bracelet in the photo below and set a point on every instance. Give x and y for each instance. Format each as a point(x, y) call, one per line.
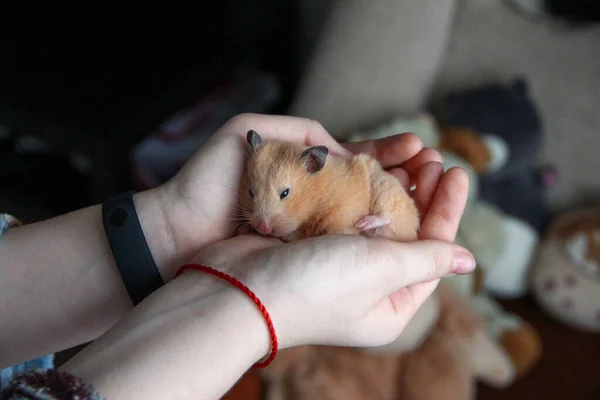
point(249, 293)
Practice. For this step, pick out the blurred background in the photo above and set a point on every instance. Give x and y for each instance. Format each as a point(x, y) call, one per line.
point(94, 101)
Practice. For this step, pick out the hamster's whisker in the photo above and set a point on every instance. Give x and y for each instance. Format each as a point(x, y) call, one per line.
point(240, 212)
point(240, 219)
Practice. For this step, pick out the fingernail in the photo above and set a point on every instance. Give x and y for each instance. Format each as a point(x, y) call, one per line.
point(463, 263)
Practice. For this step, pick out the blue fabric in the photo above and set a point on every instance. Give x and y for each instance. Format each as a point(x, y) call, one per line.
point(6, 375)
point(46, 362)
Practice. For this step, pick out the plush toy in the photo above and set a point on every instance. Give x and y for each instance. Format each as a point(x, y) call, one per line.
point(506, 119)
point(456, 353)
point(566, 274)
point(502, 244)
point(503, 247)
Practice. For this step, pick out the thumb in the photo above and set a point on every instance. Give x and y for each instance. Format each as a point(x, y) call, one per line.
point(426, 260)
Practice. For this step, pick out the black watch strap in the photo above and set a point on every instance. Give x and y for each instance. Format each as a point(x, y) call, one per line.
point(129, 247)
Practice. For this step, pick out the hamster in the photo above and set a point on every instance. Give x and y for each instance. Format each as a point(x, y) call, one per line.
point(293, 192)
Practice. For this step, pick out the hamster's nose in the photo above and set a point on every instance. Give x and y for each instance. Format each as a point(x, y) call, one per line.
point(265, 228)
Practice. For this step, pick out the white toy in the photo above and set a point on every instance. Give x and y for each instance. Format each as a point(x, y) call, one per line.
point(566, 274)
point(502, 245)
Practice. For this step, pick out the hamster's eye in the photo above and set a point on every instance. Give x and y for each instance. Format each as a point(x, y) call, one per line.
point(284, 194)
point(251, 193)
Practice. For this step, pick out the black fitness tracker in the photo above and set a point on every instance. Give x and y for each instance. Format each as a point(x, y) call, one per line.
point(129, 247)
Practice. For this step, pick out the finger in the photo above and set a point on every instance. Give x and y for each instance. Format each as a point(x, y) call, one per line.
point(414, 165)
point(390, 151)
point(401, 175)
point(447, 207)
point(292, 129)
point(427, 182)
point(406, 264)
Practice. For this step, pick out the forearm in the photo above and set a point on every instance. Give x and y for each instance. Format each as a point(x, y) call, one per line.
point(59, 285)
point(176, 346)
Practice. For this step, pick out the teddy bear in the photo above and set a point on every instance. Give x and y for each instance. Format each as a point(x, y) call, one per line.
point(447, 364)
point(566, 272)
point(503, 245)
point(505, 119)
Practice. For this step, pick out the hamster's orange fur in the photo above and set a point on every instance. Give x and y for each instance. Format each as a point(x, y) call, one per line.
point(332, 200)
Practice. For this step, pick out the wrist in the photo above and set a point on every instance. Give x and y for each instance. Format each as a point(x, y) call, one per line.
point(241, 288)
point(198, 334)
point(173, 225)
point(150, 207)
point(241, 322)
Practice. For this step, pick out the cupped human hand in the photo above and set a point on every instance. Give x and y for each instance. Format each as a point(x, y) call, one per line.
point(336, 289)
point(199, 203)
point(351, 290)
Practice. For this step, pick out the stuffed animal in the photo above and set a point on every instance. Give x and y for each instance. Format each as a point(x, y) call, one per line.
point(502, 244)
point(566, 274)
point(456, 353)
point(506, 119)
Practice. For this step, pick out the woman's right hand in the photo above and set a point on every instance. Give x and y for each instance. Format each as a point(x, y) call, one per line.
point(350, 290)
point(197, 334)
point(337, 289)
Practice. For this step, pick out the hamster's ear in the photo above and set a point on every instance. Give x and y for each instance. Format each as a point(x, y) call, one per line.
point(254, 140)
point(314, 158)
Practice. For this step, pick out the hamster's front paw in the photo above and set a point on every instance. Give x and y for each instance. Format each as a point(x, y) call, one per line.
point(369, 222)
